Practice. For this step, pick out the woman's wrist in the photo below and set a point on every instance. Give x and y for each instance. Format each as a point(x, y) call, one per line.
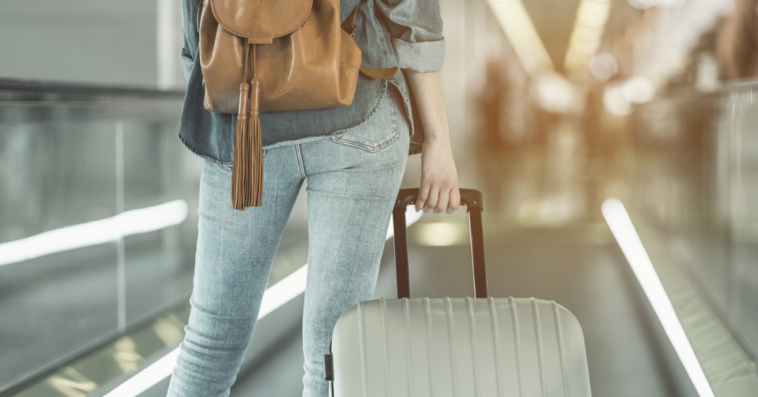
point(436, 138)
point(431, 109)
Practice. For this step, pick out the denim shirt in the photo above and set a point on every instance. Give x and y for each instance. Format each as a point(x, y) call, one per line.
point(402, 33)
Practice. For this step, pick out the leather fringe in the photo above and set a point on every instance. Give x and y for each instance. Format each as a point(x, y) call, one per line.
point(247, 168)
point(256, 145)
point(241, 187)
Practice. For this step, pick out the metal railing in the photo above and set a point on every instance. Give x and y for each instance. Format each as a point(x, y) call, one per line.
point(98, 206)
point(696, 180)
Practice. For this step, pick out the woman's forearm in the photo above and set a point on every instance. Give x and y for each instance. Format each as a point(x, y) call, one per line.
point(428, 94)
point(438, 191)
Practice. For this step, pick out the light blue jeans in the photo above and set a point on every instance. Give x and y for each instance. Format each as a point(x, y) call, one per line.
point(353, 179)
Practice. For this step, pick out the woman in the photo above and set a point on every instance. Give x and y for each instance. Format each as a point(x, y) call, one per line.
point(353, 158)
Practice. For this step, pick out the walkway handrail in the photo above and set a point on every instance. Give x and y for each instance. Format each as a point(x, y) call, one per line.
point(90, 90)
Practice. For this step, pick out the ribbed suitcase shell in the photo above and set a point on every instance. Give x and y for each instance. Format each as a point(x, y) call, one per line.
point(499, 347)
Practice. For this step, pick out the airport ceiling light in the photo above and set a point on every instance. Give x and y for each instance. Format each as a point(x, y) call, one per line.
point(589, 25)
point(558, 95)
point(520, 31)
point(603, 66)
point(639, 89)
point(619, 97)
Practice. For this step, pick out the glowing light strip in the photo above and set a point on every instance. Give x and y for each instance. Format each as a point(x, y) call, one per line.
point(589, 26)
point(275, 296)
point(629, 241)
point(518, 27)
point(137, 221)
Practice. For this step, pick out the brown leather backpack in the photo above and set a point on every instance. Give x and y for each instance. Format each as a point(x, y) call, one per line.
point(272, 55)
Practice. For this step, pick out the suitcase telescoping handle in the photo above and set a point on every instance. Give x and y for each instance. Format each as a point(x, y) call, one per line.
point(472, 199)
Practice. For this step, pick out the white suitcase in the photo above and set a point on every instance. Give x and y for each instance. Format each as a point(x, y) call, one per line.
point(457, 347)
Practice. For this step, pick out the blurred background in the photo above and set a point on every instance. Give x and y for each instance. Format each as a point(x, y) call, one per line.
point(554, 107)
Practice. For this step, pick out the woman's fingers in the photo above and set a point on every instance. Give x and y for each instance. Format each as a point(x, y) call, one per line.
point(434, 196)
point(437, 199)
point(443, 201)
point(455, 200)
point(423, 194)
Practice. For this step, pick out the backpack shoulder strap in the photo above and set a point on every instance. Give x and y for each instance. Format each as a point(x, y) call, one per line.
point(349, 27)
point(379, 73)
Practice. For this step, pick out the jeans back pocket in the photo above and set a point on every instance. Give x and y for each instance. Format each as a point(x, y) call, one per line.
point(377, 131)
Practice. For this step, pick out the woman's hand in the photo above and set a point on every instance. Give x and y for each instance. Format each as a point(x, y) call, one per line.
point(439, 179)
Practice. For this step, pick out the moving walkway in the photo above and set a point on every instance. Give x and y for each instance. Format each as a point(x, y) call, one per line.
point(103, 314)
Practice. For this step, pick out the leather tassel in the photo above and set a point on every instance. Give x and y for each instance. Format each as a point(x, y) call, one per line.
point(241, 177)
point(256, 165)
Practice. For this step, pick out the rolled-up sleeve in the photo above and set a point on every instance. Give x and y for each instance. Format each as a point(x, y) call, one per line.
point(415, 27)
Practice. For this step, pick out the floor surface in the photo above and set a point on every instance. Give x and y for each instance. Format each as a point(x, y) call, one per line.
point(580, 267)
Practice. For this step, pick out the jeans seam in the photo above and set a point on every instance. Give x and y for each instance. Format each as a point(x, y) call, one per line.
point(300, 165)
point(372, 149)
point(310, 189)
point(291, 142)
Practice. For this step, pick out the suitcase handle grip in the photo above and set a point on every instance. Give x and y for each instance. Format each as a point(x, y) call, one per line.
point(473, 200)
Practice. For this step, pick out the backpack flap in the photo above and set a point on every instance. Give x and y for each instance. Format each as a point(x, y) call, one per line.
point(261, 21)
point(273, 55)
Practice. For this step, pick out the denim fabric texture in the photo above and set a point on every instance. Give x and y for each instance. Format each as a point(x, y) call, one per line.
point(403, 33)
point(352, 182)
